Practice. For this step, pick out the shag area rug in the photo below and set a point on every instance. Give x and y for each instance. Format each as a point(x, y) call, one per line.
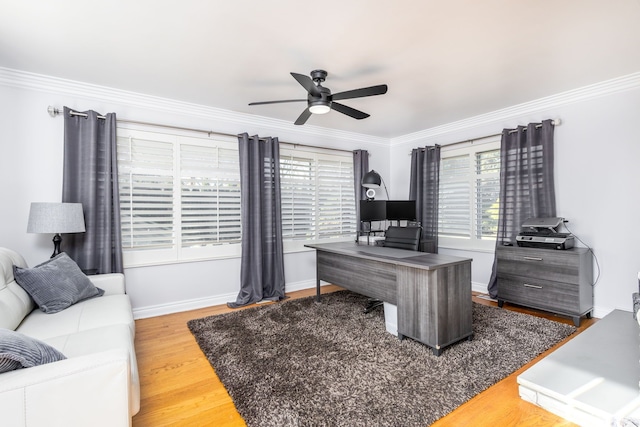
point(300, 363)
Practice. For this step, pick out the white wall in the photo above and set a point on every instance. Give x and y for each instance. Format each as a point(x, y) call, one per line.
point(597, 172)
point(597, 177)
point(31, 170)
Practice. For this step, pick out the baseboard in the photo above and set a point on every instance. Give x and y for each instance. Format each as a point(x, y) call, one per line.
point(298, 286)
point(180, 306)
point(479, 287)
point(194, 304)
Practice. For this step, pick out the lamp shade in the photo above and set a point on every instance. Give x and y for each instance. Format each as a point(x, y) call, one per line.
point(56, 218)
point(371, 179)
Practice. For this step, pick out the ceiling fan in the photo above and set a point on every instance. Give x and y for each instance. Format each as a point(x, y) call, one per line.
point(321, 101)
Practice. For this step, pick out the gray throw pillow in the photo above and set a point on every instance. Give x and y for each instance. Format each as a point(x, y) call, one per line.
point(56, 284)
point(20, 351)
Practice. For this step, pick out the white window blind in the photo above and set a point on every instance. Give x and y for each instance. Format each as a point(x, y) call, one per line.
point(469, 196)
point(179, 197)
point(298, 195)
point(145, 169)
point(454, 210)
point(336, 198)
point(487, 194)
point(318, 201)
point(210, 195)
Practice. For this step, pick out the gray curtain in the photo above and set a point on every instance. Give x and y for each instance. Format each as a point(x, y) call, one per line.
point(360, 168)
point(423, 188)
point(527, 188)
point(262, 263)
point(90, 177)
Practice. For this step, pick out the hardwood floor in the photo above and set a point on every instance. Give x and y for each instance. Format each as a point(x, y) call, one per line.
point(179, 387)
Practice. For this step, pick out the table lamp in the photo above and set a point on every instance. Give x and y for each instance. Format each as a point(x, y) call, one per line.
point(56, 218)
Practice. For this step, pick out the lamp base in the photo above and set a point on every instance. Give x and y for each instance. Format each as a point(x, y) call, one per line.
point(57, 239)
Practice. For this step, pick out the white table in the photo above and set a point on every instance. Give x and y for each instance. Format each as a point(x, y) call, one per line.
point(592, 380)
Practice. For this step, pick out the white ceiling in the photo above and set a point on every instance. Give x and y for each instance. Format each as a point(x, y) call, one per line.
point(443, 60)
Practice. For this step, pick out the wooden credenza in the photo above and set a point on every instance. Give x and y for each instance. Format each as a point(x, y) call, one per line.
point(559, 281)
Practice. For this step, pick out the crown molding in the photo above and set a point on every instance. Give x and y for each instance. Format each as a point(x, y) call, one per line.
point(54, 85)
point(607, 87)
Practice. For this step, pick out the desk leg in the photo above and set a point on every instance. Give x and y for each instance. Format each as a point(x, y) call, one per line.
point(317, 283)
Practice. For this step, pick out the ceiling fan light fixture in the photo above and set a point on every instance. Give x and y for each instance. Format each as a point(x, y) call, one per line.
point(321, 101)
point(319, 108)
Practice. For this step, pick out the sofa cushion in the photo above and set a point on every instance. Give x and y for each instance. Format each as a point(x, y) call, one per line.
point(83, 316)
point(20, 351)
point(56, 284)
point(15, 303)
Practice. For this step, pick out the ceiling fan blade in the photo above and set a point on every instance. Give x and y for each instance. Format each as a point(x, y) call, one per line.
point(307, 83)
point(303, 117)
point(359, 93)
point(277, 102)
point(356, 114)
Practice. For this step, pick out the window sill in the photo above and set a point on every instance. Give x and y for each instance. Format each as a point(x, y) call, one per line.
point(466, 249)
point(483, 246)
point(290, 247)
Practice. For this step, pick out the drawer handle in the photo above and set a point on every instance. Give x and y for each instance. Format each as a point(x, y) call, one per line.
point(531, 258)
point(526, 285)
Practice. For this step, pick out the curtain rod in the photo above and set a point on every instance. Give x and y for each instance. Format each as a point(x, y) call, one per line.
point(556, 122)
point(53, 112)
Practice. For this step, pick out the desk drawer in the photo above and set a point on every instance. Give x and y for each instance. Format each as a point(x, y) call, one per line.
point(539, 293)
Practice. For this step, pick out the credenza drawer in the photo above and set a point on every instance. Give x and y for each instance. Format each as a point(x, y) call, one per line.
point(560, 281)
point(543, 264)
point(539, 293)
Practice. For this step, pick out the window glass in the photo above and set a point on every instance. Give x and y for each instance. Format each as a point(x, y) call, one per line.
point(180, 197)
point(469, 196)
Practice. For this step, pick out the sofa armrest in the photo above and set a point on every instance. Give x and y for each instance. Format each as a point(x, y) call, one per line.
point(80, 391)
point(112, 283)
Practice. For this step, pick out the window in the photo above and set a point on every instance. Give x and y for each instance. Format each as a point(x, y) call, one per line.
point(318, 198)
point(469, 192)
point(180, 197)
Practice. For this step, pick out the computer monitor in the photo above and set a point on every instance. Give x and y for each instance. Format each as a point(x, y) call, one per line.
point(401, 210)
point(373, 210)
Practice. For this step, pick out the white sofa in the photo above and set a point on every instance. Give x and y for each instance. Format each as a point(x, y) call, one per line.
point(97, 384)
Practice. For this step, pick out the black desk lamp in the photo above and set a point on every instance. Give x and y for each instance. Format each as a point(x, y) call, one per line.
point(371, 180)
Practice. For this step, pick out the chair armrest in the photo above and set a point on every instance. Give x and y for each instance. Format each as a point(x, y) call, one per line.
point(112, 283)
point(80, 391)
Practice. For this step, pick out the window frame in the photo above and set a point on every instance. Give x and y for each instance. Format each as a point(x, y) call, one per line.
point(179, 254)
point(471, 148)
point(291, 245)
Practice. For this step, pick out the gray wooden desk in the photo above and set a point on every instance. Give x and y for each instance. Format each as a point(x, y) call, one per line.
point(432, 292)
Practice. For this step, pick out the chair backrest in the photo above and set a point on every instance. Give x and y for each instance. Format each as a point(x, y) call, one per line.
point(402, 237)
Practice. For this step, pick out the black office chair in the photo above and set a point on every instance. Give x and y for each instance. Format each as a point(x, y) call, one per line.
point(401, 238)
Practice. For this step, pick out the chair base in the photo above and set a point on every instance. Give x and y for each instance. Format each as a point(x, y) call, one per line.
point(372, 304)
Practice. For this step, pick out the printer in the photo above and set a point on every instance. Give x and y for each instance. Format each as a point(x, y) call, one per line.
point(543, 233)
